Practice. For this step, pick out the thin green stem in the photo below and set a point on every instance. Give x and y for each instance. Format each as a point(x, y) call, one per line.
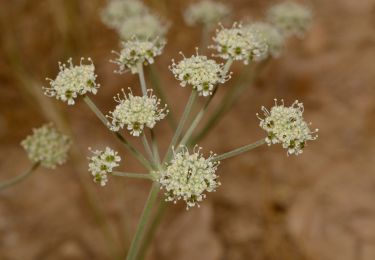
point(239, 150)
point(152, 228)
point(142, 78)
point(155, 148)
point(96, 110)
point(133, 175)
point(141, 228)
point(181, 124)
point(160, 93)
point(147, 147)
point(122, 139)
point(19, 178)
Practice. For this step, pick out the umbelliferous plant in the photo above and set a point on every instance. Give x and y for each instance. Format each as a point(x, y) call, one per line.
point(184, 172)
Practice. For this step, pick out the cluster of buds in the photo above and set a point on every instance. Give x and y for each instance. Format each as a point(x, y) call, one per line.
point(238, 43)
point(136, 112)
point(206, 12)
point(286, 125)
point(73, 81)
point(47, 146)
point(188, 176)
point(135, 53)
point(102, 163)
point(201, 73)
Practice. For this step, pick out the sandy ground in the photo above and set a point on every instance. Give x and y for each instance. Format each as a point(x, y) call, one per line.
point(319, 205)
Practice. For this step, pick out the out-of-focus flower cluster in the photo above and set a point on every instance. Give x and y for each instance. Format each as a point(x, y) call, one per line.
point(290, 18)
point(206, 12)
point(272, 36)
point(188, 176)
point(201, 73)
point(136, 112)
point(102, 163)
point(131, 18)
point(286, 125)
point(47, 146)
point(73, 81)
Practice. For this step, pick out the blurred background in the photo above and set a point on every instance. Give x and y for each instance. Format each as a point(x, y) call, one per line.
point(319, 205)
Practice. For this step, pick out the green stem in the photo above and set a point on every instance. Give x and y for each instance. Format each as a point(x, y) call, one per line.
point(160, 93)
point(155, 148)
point(142, 79)
point(147, 147)
point(122, 139)
point(239, 150)
point(133, 175)
point(150, 233)
point(181, 124)
point(139, 233)
point(19, 178)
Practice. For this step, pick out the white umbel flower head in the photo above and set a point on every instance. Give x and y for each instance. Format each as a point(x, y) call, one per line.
point(201, 73)
point(117, 11)
point(73, 81)
point(102, 163)
point(239, 44)
point(47, 146)
point(189, 176)
point(136, 52)
point(285, 125)
point(274, 39)
point(290, 18)
point(136, 112)
point(206, 12)
point(146, 26)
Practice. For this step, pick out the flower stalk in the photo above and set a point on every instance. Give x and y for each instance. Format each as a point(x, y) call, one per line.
point(19, 178)
point(238, 151)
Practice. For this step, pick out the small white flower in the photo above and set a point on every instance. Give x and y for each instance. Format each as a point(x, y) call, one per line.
point(117, 11)
point(73, 81)
point(102, 163)
point(136, 112)
point(290, 18)
point(47, 146)
point(272, 36)
point(206, 12)
point(201, 73)
point(238, 43)
point(136, 52)
point(188, 176)
point(145, 26)
point(286, 125)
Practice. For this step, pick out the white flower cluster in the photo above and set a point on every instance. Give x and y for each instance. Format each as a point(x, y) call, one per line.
point(286, 125)
point(102, 163)
point(117, 11)
point(238, 43)
point(136, 112)
point(73, 81)
point(201, 73)
point(290, 18)
point(146, 26)
point(188, 176)
point(272, 36)
point(206, 12)
point(47, 146)
point(136, 52)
